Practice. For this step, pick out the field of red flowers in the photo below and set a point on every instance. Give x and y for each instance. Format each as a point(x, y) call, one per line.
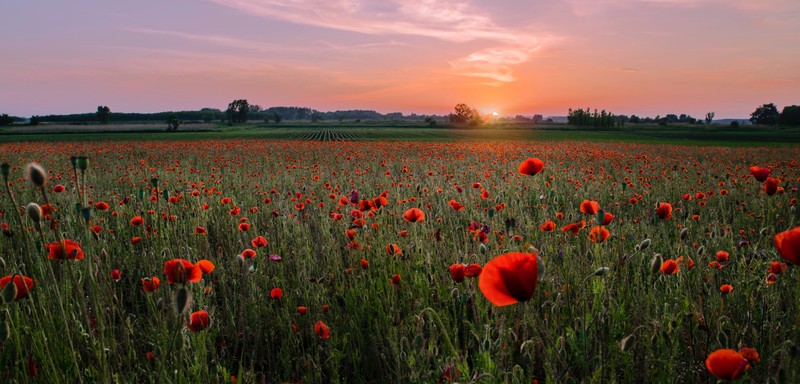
point(255, 261)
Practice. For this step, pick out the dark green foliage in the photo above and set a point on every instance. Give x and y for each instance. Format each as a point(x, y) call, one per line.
point(237, 111)
point(586, 118)
point(173, 122)
point(6, 120)
point(790, 115)
point(103, 114)
point(766, 114)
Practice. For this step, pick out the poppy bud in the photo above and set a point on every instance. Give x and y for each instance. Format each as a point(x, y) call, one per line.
point(482, 248)
point(764, 232)
point(602, 271)
point(82, 162)
point(5, 169)
point(701, 250)
point(182, 301)
point(154, 182)
point(655, 263)
point(684, 233)
point(454, 294)
point(36, 174)
point(34, 212)
point(628, 342)
point(644, 244)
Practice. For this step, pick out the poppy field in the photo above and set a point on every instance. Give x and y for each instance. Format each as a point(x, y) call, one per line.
point(272, 261)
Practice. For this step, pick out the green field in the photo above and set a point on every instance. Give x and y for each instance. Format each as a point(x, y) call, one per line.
point(417, 131)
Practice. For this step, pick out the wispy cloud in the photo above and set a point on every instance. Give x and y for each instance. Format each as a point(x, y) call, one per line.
point(448, 20)
point(588, 7)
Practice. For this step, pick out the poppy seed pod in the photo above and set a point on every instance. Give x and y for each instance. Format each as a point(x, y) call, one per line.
point(82, 162)
point(34, 211)
point(36, 174)
point(5, 169)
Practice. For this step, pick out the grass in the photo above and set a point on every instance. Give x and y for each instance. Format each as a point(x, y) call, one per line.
point(401, 131)
point(77, 324)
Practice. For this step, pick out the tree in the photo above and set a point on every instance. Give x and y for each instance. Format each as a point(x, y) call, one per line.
point(790, 115)
point(103, 113)
point(173, 122)
point(464, 114)
point(276, 117)
point(35, 120)
point(316, 116)
point(709, 117)
point(766, 114)
point(6, 120)
point(237, 111)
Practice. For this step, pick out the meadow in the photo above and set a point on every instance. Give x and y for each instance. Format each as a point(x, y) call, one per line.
point(273, 256)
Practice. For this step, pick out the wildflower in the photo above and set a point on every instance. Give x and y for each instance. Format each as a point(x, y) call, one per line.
point(198, 321)
point(531, 166)
point(23, 285)
point(726, 364)
point(509, 278)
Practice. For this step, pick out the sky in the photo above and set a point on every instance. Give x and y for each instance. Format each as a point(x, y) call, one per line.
point(643, 57)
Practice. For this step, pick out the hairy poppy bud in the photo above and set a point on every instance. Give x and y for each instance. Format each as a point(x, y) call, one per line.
point(183, 300)
point(655, 263)
point(684, 233)
point(644, 244)
point(628, 342)
point(36, 174)
point(83, 163)
point(5, 169)
point(34, 211)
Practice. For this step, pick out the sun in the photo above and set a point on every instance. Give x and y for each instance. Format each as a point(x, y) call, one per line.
point(495, 114)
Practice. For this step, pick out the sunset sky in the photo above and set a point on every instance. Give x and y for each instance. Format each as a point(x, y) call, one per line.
point(644, 57)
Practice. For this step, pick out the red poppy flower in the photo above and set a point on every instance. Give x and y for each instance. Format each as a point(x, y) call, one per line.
point(457, 272)
point(669, 267)
point(607, 218)
point(244, 227)
point(116, 275)
point(548, 226)
point(101, 206)
point(395, 279)
point(302, 310)
point(200, 231)
point(590, 207)
point(726, 364)
point(137, 221)
point(722, 256)
point(759, 173)
point(150, 284)
point(364, 264)
point(67, 249)
point(726, 288)
point(771, 186)
point(258, 242)
point(183, 271)
point(788, 244)
point(599, 234)
point(393, 249)
point(455, 205)
point(322, 330)
point(198, 321)
point(509, 278)
point(531, 166)
point(664, 211)
point(58, 188)
point(24, 285)
point(473, 270)
point(574, 228)
point(750, 354)
point(276, 293)
point(414, 215)
point(777, 267)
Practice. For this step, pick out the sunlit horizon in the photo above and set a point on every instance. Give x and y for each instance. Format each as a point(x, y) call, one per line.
point(643, 57)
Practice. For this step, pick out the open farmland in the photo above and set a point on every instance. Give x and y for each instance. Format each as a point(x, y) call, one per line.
point(312, 266)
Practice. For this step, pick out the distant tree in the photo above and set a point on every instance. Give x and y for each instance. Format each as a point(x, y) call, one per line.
point(463, 114)
point(476, 118)
point(735, 124)
point(6, 120)
point(766, 114)
point(255, 108)
point(276, 117)
point(316, 116)
point(790, 115)
point(173, 122)
point(431, 122)
point(237, 111)
point(634, 119)
point(103, 114)
point(709, 117)
point(35, 120)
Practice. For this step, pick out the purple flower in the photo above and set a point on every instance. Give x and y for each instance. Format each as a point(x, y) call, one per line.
point(275, 258)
